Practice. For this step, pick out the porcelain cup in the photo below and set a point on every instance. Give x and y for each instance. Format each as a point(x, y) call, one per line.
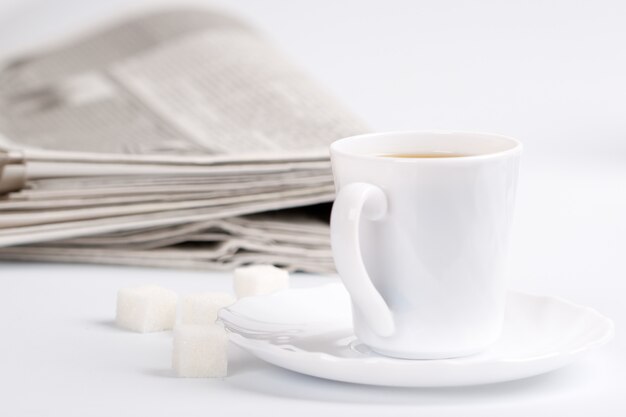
point(421, 243)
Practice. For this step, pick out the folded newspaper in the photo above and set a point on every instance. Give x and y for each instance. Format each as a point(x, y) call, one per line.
point(176, 139)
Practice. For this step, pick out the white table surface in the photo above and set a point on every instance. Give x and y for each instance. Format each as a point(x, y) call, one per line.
point(550, 73)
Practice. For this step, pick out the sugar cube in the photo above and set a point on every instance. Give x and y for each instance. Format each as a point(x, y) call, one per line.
point(202, 308)
point(146, 309)
point(259, 279)
point(200, 351)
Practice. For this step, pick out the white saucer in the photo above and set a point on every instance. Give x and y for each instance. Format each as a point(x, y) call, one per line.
point(310, 331)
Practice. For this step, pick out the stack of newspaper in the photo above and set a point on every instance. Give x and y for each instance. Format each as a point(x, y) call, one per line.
point(176, 139)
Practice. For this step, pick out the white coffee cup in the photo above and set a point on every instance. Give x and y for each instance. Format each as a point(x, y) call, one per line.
point(421, 243)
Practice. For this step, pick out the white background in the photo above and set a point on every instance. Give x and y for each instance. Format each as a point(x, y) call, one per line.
point(552, 73)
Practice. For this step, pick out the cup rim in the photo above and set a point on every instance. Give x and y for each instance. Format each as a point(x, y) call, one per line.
point(335, 147)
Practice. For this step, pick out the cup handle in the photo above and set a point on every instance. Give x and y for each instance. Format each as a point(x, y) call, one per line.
point(352, 201)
